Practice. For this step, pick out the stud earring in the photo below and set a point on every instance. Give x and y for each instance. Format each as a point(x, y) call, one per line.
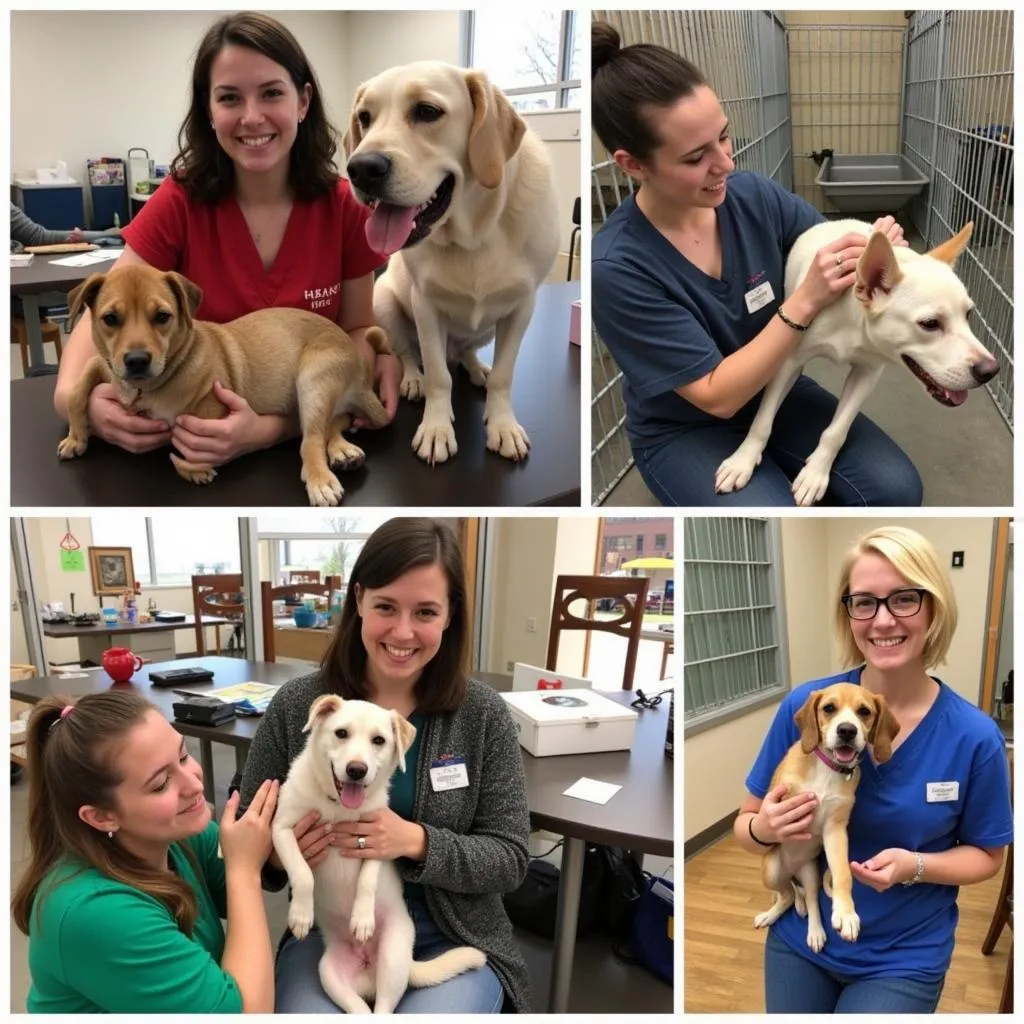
point(110, 835)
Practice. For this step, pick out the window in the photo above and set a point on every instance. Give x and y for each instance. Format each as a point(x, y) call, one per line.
point(660, 541)
point(532, 56)
point(733, 622)
point(167, 550)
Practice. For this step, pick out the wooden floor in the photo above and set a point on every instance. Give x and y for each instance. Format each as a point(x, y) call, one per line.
point(723, 954)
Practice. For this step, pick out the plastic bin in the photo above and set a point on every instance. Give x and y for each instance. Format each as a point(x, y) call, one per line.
point(869, 183)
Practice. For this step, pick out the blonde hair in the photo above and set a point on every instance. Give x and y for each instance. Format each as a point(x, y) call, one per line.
point(914, 558)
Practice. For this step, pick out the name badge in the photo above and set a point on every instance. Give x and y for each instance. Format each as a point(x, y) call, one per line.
point(448, 773)
point(942, 792)
point(759, 297)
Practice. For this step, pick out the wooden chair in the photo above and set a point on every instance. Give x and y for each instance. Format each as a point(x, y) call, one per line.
point(1002, 917)
point(304, 576)
point(18, 707)
point(217, 594)
point(269, 594)
point(19, 336)
point(629, 592)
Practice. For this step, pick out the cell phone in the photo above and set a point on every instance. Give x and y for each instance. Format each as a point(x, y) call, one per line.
point(177, 676)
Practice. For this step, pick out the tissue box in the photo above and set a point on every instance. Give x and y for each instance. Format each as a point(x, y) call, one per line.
point(574, 322)
point(570, 722)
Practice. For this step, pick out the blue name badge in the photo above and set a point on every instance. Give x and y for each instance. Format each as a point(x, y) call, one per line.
point(448, 773)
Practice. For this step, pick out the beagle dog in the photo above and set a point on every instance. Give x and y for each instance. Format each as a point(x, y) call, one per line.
point(836, 725)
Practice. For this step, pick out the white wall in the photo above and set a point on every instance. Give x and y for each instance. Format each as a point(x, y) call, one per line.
point(812, 550)
point(90, 83)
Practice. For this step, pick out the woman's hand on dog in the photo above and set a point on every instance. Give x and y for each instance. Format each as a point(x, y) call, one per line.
point(885, 869)
point(314, 838)
point(387, 379)
point(832, 271)
point(214, 442)
point(109, 419)
point(245, 841)
point(388, 836)
point(784, 818)
point(891, 230)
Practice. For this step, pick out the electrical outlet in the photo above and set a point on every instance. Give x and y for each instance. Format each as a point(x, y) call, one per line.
point(958, 559)
point(510, 666)
point(531, 624)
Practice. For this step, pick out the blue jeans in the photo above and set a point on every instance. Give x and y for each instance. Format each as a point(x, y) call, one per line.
point(795, 984)
point(870, 468)
point(298, 990)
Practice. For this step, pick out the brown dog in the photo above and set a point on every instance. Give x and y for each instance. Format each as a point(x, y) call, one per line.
point(836, 724)
point(164, 364)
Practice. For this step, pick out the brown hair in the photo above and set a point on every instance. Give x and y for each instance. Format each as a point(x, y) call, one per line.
point(71, 764)
point(204, 170)
point(627, 82)
point(392, 550)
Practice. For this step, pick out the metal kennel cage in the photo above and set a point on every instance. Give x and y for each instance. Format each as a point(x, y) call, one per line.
point(860, 113)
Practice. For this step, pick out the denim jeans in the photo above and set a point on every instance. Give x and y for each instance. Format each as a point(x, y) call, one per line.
point(870, 468)
point(795, 984)
point(298, 989)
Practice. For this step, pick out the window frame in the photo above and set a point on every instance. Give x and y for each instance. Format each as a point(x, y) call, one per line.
point(742, 706)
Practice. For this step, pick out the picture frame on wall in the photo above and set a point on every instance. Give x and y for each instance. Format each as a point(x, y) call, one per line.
point(112, 570)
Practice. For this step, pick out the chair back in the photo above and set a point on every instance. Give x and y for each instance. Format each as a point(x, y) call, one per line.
point(269, 594)
point(629, 593)
point(216, 594)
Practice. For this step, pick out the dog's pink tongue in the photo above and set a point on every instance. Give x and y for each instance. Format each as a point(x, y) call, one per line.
point(955, 397)
point(352, 795)
point(389, 227)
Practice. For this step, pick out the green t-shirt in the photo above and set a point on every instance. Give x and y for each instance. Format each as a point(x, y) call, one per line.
point(100, 946)
point(402, 795)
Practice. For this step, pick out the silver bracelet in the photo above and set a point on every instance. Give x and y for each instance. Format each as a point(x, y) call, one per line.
point(918, 873)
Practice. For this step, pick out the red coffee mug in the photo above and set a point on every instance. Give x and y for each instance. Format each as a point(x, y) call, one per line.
point(119, 663)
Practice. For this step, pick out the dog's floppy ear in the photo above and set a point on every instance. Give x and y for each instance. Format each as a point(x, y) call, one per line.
point(404, 733)
point(496, 132)
point(354, 135)
point(321, 708)
point(877, 269)
point(84, 295)
point(807, 719)
point(883, 731)
point(952, 247)
point(186, 294)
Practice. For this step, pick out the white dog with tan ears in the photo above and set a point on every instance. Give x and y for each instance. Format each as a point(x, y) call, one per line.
point(345, 770)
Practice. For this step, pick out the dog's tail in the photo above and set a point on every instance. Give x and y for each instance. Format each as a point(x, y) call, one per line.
point(378, 340)
point(424, 973)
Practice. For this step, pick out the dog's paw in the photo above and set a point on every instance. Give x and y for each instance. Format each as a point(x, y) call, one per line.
point(810, 484)
point(506, 437)
point(412, 386)
point(735, 472)
point(764, 919)
point(323, 489)
point(435, 441)
point(343, 453)
point(847, 923)
point(192, 473)
point(300, 917)
point(71, 446)
point(478, 373)
point(816, 937)
point(362, 924)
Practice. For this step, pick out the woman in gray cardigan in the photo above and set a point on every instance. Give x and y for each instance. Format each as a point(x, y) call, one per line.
point(460, 838)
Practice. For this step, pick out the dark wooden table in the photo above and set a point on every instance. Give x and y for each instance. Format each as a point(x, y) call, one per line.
point(94, 639)
point(639, 817)
point(545, 395)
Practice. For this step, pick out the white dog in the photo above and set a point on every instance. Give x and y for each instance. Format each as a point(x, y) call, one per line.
point(344, 770)
point(904, 307)
point(464, 203)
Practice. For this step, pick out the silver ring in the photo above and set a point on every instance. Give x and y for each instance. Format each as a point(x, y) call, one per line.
point(839, 259)
point(361, 842)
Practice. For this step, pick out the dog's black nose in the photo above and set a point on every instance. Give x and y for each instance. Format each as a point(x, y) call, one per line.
point(847, 733)
point(137, 363)
point(985, 370)
point(356, 771)
point(369, 170)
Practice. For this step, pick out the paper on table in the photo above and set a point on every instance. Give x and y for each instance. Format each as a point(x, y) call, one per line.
point(592, 790)
point(87, 259)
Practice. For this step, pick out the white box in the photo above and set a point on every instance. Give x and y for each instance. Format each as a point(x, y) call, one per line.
point(570, 722)
point(530, 677)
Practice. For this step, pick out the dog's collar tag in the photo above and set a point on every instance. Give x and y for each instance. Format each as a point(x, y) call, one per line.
point(448, 773)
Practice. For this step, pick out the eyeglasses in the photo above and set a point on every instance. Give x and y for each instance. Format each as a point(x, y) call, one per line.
point(901, 603)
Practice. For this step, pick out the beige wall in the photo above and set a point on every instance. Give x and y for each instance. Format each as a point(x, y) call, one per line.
point(61, 61)
point(812, 551)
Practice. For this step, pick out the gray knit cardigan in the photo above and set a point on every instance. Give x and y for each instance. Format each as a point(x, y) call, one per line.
point(477, 837)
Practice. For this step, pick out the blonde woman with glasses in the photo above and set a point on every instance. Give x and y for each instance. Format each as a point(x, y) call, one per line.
point(934, 817)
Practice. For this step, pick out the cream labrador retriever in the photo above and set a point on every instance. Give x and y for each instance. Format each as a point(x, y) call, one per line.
point(344, 770)
point(464, 204)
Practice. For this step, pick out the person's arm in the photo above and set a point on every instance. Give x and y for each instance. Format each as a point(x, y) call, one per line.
point(355, 316)
point(28, 232)
point(248, 952)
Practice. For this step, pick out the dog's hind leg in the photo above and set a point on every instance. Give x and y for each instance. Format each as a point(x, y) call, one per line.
point(317, 395)
point(776, 878)
point(735, 472)
point(812, 481)
point(808, 876)
point(339, 987)
point(504, 433)
point(394, 961)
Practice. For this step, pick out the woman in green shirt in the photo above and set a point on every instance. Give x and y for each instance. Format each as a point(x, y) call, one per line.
point(125, 890)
